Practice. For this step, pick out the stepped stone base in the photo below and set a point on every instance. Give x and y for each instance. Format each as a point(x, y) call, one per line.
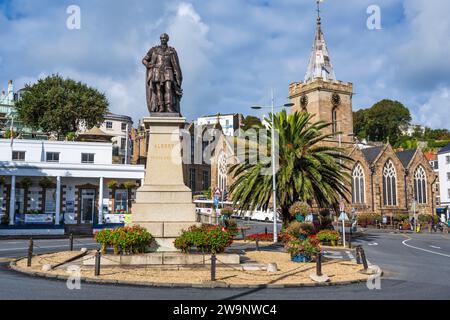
point(163, 259)
point(164, 204)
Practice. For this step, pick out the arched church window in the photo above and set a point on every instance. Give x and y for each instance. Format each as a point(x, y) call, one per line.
point(389, 184)
point(334, 120)
point(223, 172)
point(420, 185)
point(358, 185)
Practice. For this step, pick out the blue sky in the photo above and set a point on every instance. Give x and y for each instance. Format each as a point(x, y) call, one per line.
point(233, 51)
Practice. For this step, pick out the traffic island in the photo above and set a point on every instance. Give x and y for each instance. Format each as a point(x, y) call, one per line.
point(250, 274)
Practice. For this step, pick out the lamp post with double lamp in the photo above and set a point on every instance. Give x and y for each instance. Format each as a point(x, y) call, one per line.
point(274, 171)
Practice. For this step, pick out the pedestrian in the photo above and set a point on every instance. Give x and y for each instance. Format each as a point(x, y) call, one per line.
point(412, 223)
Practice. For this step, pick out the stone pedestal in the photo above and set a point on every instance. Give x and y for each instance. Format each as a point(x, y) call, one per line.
point(164, 204)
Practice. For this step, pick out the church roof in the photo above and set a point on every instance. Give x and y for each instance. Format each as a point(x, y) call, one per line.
point(320, 65)
point(372, 153)
point(406, 156)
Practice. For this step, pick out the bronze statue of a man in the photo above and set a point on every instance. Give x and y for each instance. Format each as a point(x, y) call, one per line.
point(164, 78)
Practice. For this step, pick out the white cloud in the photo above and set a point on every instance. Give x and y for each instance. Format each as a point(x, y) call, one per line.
point(435, 112)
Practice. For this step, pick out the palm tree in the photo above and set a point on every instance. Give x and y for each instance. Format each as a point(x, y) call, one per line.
point(310, 170)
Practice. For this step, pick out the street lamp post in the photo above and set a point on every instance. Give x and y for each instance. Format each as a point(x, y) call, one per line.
point(274, 170)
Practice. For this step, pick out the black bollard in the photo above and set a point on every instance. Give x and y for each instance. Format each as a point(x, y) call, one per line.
point(213, 267)
point(97, 263)
point(363, 258)
point(71, 242)
point(266, 231)
point(319, 264)
point(30, 252)
point(358, 255)
point(257, 244)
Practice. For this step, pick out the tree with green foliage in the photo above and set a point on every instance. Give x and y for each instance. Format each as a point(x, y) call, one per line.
point(309, 171)
point(383, 121)
point(60, 106)
point(251, 122)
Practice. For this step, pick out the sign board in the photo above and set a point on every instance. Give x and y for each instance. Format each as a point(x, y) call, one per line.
point(114, 218)
point(343, 217)
point(39, 218)
point(342, 207)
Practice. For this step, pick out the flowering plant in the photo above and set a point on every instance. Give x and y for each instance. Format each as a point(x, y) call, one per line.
point(299, 208)
point(268, 237)
point(328, 236)
point(309, 247)
point(206, 239)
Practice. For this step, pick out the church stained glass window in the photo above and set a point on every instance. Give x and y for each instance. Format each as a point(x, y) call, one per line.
point(389, 184)
point(358, 187)
point(420, 185)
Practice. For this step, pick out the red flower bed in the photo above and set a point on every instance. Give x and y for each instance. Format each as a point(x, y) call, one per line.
point(261, 237)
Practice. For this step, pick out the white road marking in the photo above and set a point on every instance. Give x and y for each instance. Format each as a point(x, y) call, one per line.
point(435, 247)
point(46, 247)
point(429, 251)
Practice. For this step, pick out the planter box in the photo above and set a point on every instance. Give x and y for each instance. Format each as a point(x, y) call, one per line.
point(300, 258)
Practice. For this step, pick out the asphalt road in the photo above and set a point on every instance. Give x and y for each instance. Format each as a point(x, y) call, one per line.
point(416, 267)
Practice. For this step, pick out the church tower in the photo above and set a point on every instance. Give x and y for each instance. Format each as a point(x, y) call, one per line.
point(320, 94)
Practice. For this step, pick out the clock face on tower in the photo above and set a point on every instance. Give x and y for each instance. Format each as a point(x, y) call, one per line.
point(336, 99)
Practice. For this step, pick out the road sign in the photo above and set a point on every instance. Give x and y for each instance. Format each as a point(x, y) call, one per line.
point(342, 207)
point(343, 217)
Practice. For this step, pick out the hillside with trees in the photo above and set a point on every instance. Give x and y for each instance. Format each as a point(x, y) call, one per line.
point(390, 121)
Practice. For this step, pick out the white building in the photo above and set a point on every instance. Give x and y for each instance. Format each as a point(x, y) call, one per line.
point(56, 186)
point(119, 127)
point(230, 122)
point(443, 167)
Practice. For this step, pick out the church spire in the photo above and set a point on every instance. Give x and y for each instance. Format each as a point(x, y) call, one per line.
point(320, 64)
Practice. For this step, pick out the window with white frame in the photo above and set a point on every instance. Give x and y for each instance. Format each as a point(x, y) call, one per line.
point(447, 159)
point(109, 125)
point(121, 200)
point(87, 158)
point(52, 157)
point(389, 184)
point(448, 176)
point(420, 185)
point(358, 185)
point(18, 156)
point(20, 201)
point(50, 201)
point(33, 200)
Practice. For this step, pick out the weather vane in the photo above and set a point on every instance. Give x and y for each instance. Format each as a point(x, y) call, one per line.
point(318, 7)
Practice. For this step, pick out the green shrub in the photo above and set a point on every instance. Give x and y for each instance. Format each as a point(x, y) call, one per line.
point(296, 229)
point(301, 208)
point(328, 236)
point(368, 219)
point(205, 239)
point(425, 218)
point(309, 247)
point(401, 217)
point(129, 240)
point(231, 226)
point(227, 212)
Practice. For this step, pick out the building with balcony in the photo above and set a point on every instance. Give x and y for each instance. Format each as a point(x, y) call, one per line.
point(53, 187)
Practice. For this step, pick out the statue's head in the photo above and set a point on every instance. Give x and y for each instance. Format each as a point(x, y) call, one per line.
point(164, 39)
